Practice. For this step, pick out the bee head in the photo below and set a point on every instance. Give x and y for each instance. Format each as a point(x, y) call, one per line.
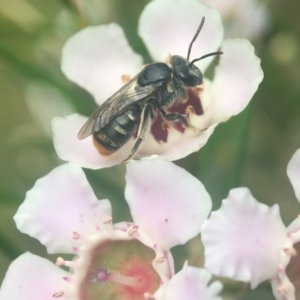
point(188, 73)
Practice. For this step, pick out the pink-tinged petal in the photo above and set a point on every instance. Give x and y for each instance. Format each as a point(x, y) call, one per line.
point(243, 239)
point(97, 57)
point(60, 203)
point(166, 201)
point(248, 19)
point(31, 277)
point(179, 144)
point(81, 152)
point(192, 283)
point(236, 79)
point(293, 172)
point(168, 26)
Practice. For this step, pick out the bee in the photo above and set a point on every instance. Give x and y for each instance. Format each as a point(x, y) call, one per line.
point(134, 107)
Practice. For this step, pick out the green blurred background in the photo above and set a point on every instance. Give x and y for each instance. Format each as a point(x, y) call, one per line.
point(252, 149)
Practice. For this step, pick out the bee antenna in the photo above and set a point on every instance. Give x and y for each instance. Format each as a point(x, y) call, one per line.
point(194, 38)
point(206, 55)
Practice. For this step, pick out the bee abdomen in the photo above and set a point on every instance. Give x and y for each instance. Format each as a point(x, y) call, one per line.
point(114, 135)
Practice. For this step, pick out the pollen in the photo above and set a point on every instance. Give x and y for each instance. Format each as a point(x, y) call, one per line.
point(189, 110)
point(106, 219)
point(165, 125)
point(160, 260)
point(60, 261)
point(58, 294)
point(283, 289)
point(197, 90)
point(168, 59)
point(291, 251)
point(125, 78)
point(132, 230)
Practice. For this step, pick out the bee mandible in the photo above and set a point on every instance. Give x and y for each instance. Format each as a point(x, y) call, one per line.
point(134, 107)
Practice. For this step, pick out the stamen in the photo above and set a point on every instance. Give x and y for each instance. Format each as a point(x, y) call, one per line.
point(283, 289)
point(160, 259)
point(67, 279)
point(60, 261)
point(106, 219)
point(100, 275)
point(197, 90)
point(291, 251)
point(58, 294)
point(132, 230)
point(189, 110)
point(165, 125)
point(75, 235)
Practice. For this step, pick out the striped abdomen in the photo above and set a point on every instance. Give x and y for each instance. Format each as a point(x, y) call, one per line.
point(115, 134)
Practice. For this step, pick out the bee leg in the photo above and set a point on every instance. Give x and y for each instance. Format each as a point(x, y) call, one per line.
point(147, 116)
point(179, 117)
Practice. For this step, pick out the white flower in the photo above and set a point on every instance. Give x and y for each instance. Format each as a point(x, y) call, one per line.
point(125, 260)
point(98, 58)
point(247, 240)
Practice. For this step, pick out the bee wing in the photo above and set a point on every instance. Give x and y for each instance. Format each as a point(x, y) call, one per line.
point(114, 106)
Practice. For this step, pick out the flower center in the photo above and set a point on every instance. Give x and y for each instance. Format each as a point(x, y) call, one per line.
point(191, 106)
point(144, 279)
point(128, 272)
point(115, 264)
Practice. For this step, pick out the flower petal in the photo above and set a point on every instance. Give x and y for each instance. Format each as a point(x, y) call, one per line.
point(166, 201)
point(243, 239)
point(31, 277)
point(81, 152)
point(294, 227)
point(248, 19)
point(293, 172)
point(191, 283)
point(97, 57)
point(236, 79)
point(60, 203)
point(179, 144)
point(168, 26)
